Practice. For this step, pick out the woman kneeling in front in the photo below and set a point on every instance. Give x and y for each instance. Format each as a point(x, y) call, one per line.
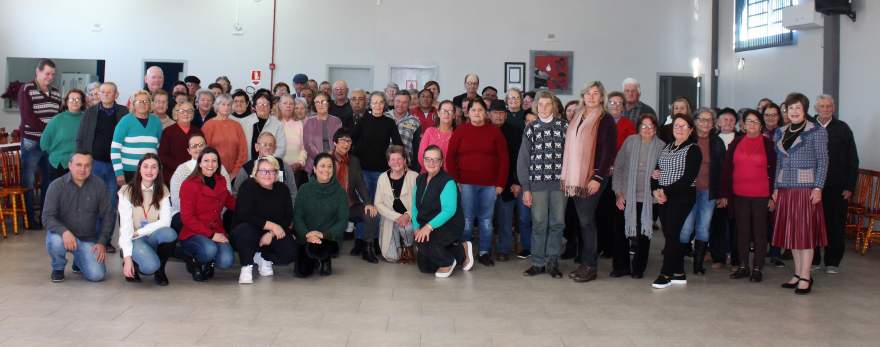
point(145, 235)
point(319, 219)
point(439, 221)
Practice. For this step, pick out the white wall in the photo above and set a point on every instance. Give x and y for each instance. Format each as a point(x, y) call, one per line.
point(611, 40)
point(859, 76)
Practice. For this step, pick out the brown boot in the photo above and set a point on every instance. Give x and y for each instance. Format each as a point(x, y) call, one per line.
point(588, 274)
point(406, 255)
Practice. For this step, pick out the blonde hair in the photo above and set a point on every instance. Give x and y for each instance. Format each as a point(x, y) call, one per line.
point(587, 88)
point(267, 159)
point(141, 92)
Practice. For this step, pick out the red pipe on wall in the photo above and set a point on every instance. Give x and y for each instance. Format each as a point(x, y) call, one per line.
point(272, 63)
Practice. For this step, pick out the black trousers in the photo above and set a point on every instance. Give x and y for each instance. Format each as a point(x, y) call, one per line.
point(371, 224)
point(308, 256)
point(246, 240)
point(620, 246)
point(586, 210)
point(722, 237)
point(608, 220)
point(834, 207)
point(435, 254)
point(572, 232)
point(55, 172)
point(672, 215)
point(751, 223)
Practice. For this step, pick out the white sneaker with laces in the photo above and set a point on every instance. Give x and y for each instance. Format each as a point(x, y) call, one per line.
point(264, 267)
point(247, 275)
point(832, 270)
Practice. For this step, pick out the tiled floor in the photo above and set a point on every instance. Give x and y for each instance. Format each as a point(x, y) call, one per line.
point(394, 305)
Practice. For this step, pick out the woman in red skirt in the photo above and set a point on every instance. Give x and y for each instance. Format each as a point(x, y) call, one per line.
point(802, 162)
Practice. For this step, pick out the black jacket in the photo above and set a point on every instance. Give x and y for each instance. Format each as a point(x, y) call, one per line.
point(843, 157)
point(717, 153)
point(85, 137)
point(513, 135)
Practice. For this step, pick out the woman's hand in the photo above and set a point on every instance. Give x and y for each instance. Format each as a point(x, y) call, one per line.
point(621, 202)
point(815, 196)
point(593, 187)
point(404, 220)
point(498, 190)
point(515, 189)
point(771, 205)
point(127, 267)
point(266, 239)
point(721, 202)
point(774, 195)
point(527, 199)
point(275, 229)
point(655, 175)
point(219, 238)
point(370, 210)
point(314, 236)
point(660, 196)
point(424, 233)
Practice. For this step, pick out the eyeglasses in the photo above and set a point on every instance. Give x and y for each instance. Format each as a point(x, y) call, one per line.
point(196, 146)
point(647, 126)
point(266, 145)
point(681, 127)
point(263, 104)
point(704, 120)
point(267, 172)
point(358, 98)
point(185, 111)
point(771, 114)
point(74, 100)
point(344, 139)
point(322, 102)
point(446, 112)
point(141, 102)
point(432, 160)
point(752, 121)
point(614, 103)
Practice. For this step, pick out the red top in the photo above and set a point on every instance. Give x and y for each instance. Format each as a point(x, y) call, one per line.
point(200, 206)
point(625, 128)
point(172, 149)
point(425, 120)
point(750, 169)
point(478, 155)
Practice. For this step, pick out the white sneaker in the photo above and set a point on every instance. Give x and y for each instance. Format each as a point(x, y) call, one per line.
point(264, 267)
point(832, 270)
point(247, 275)
point(468, 256)
point(447, 273)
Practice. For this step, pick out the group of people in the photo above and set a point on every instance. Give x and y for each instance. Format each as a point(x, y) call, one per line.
point(281, 176)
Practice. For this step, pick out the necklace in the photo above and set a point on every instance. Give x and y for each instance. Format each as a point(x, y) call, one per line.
point(791, 128)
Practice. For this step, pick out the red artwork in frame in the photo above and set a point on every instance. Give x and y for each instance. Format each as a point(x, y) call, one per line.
point(552, 70)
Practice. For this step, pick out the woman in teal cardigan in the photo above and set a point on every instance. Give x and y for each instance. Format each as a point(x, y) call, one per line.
point(59, 137)
point(320, 216)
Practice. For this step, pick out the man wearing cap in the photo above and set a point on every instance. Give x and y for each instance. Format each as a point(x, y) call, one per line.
point(193, 84)
point(299, 83)
point(511, 196)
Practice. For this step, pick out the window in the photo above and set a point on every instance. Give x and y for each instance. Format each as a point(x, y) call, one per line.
point(759, 24)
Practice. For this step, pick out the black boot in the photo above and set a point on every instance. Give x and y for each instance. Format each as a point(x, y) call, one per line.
point(164, 252)
point(326, 267)
point(358, 248)
point(369, 253)
point(699, 255)
point(209, 270)
point(194, 268)
point(137, 276)
point(687, 249)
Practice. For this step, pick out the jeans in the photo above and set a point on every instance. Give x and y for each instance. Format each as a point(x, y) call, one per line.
point(33, 158)
point(371, 178)
point(504, 217)
point(205, 250)
point(104, 171)
point(143, 250)
point(478, 202)
point(586, 210)
point(699, 219)
point(93, 271)
point(366, 227)
point(548, 223)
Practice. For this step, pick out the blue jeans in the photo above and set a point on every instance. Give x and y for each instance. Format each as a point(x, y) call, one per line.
point(478, 202)
point(371, 178)
point(33, 158)
point(504, 216)
point(143, 250)
point(699, 219)
point(92, 270)
point(104, 171)
point(204, 250)
point(548, 223)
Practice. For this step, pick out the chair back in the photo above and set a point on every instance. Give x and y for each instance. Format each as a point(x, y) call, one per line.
point(10, 166)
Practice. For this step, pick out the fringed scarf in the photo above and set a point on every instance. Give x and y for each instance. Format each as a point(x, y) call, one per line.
point(342, 173)
point(580, 153)
point(632, 148)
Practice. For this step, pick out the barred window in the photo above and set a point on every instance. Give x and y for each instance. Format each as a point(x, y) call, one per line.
point(759, 24)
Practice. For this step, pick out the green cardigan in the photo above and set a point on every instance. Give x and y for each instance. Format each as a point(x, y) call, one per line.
point(59, 137)
point(322, 207)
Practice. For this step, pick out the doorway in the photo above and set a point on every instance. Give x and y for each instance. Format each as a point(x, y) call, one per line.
point(672, 86)
point(173, 71)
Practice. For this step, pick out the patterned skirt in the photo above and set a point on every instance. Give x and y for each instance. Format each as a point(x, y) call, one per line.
point(798, 223)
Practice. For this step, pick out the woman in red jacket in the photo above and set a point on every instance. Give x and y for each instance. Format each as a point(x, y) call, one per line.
point(202, 199)
point(477, 160)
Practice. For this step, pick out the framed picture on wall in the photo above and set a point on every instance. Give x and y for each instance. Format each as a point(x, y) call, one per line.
point(514, 76)
point(552, 70)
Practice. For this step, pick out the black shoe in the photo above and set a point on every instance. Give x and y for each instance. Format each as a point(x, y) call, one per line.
point(160, 278)
point(486, 260)
point(787, 285)
point(618, 273)
point(687, 249)
point(741, 272)
point(358, 248)
point(76, 269)
point(135, 279)
point(326, 268)
point(110, 249)
point(57, 276)
point(523, 254)
point(679, 279)
point(661, 282)
point(777, 262)
point(806, 290)
point(699, 257)
point(502, 257)
point(369, 253)
point(638, 276)
point(209, 270)
point(756, 276)
point(553, 270)
point(587, 274)
point(534, 271)
point(194, 268)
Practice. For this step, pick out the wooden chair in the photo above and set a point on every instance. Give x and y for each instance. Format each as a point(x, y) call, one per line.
point(864, 211)
point(12, 201)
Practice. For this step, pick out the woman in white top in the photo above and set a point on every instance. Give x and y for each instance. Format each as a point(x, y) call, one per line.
point(292, 112)
point(195, 145)
point(145, 235)
point(394, 202)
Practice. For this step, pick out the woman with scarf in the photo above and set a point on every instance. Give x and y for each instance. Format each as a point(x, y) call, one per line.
point(632, 187)
point(590, 147)
point(360, 203)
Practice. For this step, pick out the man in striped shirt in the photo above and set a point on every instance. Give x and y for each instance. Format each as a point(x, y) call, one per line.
point(38, 102)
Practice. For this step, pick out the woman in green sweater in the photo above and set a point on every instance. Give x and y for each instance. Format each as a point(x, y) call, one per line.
point(59, 137)
point(320, 216)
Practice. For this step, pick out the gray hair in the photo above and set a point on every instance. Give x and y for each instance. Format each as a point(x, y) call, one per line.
point(630, 80)
point(115, 87)
point(392, 85)
point(702, 110)
point(203, 93)
point(514, 90)
point(471, 74)
point(378, 93)
point(221, 99)
point(92, 86)
point(825, 97)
